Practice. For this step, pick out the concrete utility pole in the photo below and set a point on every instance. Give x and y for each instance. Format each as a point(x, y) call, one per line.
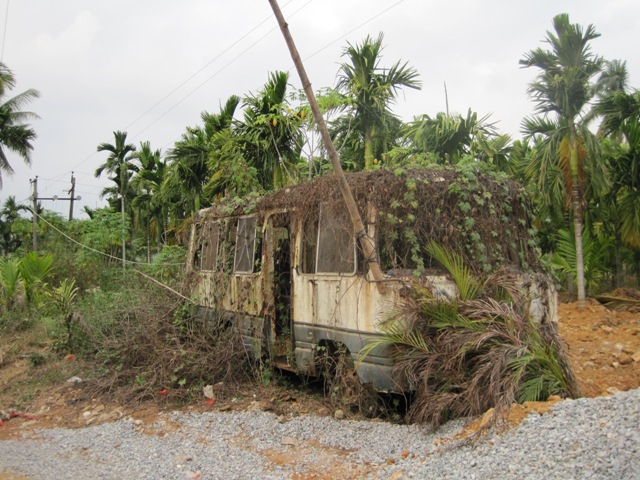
point(34, 215)
point(35, 199)
point(366, 242)
point(71, 193)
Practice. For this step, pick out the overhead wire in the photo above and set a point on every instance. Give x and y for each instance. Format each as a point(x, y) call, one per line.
point(191, 77)
point(224, 67)
point(87, 247)
point(4, 35)
point(111, 257)
point(187, 81)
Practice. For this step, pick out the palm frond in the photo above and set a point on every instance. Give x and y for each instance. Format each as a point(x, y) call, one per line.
point(468, 286)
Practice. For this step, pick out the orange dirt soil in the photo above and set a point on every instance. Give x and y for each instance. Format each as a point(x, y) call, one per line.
point(603, 346)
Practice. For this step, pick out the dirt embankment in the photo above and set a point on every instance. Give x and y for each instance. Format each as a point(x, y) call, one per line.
point(603, 347)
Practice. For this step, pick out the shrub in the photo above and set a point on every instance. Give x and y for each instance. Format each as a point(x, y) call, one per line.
point(465, 355)
point(146, 340)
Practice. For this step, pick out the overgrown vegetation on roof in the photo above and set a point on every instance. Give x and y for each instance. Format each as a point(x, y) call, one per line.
point(483, 216)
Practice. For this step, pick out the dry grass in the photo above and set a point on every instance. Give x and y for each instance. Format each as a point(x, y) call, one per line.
point(156, 347)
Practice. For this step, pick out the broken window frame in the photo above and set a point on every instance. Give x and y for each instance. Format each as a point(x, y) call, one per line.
point(321, 247)
point(241, 244)
point(308, 245)
point(209, 256)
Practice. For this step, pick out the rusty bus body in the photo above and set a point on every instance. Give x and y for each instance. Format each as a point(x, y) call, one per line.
point(293, 280)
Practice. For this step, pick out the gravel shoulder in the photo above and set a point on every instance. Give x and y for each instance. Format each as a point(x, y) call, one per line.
point(286, 434)
point(594, 438)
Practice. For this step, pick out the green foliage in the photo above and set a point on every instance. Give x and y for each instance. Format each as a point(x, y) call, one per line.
point(563, 260)
point(64, 299)
point(464, 355)
point(102, 235)
point(168, 265)
point(451, 139)
point(468, 286)
point(35, 271)
point(10, 281)
point(15, 135)
point(369, 129)
point(36, 359)
point(144, 341)
point(22, 285)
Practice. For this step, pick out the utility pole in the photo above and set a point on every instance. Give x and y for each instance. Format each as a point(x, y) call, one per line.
point(71, 195)
point(35, 199)
point(366, 242)
point(34, 217)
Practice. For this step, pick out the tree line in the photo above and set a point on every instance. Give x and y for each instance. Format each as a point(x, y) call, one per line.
point(578, 157)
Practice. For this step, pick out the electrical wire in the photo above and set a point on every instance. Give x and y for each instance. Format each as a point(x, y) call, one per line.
point(86, 247)
point(224, 67)
point(4, 35)
point(191, 77)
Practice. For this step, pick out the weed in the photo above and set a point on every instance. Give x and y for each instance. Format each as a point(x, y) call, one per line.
point(36, 359)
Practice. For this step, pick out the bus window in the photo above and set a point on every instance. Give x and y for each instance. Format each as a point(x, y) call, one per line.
point(245, 245)
point(309, 244)
point(336, 242)
point(209, 249)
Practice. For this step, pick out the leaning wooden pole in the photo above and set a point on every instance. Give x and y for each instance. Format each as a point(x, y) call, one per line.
point(368, 247)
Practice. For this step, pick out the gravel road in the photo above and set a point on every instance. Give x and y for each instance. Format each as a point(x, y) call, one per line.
point(578, 439)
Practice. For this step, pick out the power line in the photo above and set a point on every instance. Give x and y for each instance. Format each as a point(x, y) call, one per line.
point(4, 35)
point(354, 29)
point(224, 67)
point(233, 60)
point(87, 247)
point(191, 77)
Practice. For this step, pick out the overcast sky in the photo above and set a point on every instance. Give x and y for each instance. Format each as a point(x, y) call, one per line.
point(149, 67)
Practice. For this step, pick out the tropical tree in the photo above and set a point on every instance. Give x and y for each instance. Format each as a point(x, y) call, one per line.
point(9, 213)
point(271, 134)
point(231, 173)
point(15, 134)
point(448, 138)
point(369, 90)
point(119, 165)
point(562, 91)
point(620, 112)
point(146, 184)
point(188, 171)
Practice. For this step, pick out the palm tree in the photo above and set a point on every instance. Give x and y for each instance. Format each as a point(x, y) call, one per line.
point(271, 133)
point(9, 213)
point(188, 171)
point(146, 184)
point(613, 78)
point(451, 137)
point(620, 112)
point(119, 165)
point(369, 91)
point(562, 89)
point(15, 134)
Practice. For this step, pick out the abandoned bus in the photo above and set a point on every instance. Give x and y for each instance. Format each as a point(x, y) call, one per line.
point(288, 272)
